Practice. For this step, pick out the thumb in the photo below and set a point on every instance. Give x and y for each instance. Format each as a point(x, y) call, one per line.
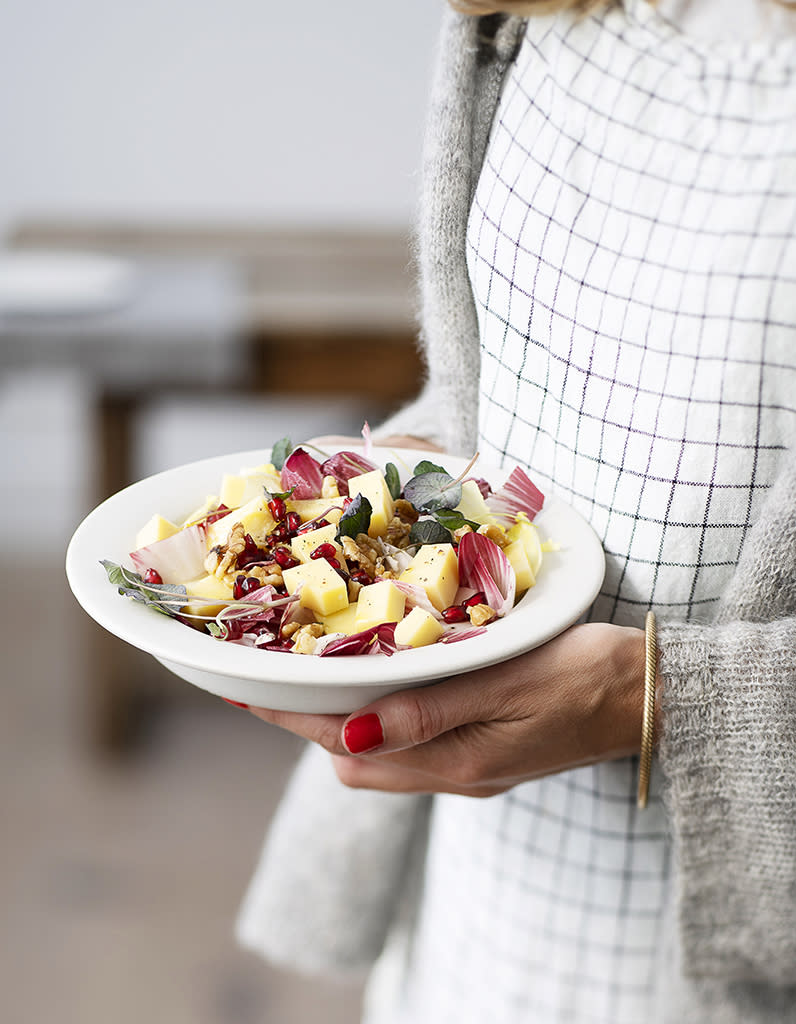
point(412, 717)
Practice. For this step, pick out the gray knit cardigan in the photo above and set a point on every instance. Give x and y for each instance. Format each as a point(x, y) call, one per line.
point(728, 750)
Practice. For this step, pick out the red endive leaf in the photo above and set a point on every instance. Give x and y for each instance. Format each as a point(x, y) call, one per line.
point(179, 558)
point(343, 465)
point(303, 474)
point(376, 640)
point(483, 566)
point(518, 494)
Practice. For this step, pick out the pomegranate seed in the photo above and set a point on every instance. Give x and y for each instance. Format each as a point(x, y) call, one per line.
point(327, 551)
point(471, 602)
point(250, 543)
point(152, 576)
point(237, 587)
point(335, 565)
point(250, 584)
point(284, 558)
point(277, 508)
point(361, 577)
point(455, 614)
point(293, 522)
point(280, 533)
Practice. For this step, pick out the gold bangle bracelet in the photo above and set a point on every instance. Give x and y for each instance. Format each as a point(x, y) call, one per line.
point(648, 719)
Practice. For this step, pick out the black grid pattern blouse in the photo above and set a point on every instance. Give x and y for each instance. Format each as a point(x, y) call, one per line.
point(632, 253)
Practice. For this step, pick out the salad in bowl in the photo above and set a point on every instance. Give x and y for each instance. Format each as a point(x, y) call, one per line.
point(340, 555)
point(264, 576)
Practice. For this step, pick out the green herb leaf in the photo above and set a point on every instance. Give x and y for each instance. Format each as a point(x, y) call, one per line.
point(280, 452)
point(452, 519)
point(431, 491)
point(429, 531)
point(167, 598)
point(392, 480)
point(428, 467)
point(356, 518)
point(284, 495)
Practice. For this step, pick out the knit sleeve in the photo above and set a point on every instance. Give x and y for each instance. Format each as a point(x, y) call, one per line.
point(728, 755)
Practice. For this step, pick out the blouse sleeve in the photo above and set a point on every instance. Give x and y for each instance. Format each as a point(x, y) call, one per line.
point(728, 754)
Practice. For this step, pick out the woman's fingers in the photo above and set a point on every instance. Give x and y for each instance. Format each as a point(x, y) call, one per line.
point(321, 729)
point(411, 718)
point(381, 773)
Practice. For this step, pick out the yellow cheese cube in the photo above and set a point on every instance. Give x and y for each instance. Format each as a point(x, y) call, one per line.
point(525, 532)
point(435, 568)
point(312, 508)
point(418, 629)
point(208, 596)
point(374, 487)
point(343, 621)
point(472, 506)
point(304, 544)
point(323, 590)
point(518, 558)
point(254, 516)
point(378, 603)
point(156, 529)
point(240, 489)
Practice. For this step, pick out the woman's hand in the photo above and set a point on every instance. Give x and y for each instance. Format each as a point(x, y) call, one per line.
point(576, 700)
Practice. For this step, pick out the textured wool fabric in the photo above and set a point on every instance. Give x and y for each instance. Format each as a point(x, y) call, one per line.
point(728, 753)
point(328, 882)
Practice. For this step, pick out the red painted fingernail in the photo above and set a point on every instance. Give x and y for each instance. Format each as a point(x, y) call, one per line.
point(363, 733)
point(236, 704)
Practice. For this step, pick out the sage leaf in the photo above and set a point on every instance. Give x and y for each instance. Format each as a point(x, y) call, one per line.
point(425, 466)
point(280, 452)
point(167, 598)
point(392, 480)
point(429, 531)
point(355, 519)
point(452, 519)
point(433, 490)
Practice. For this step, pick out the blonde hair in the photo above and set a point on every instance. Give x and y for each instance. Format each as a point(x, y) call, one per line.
point(527, 6)
point(549, 6)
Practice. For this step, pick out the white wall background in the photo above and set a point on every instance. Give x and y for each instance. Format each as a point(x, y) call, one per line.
point(303, 112)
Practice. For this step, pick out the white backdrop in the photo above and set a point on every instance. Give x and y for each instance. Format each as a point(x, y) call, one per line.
point(300, 111)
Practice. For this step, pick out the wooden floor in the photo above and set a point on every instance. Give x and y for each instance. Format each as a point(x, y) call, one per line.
point(120, 881)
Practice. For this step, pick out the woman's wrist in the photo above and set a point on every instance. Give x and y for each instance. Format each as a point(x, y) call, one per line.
point(621, 715)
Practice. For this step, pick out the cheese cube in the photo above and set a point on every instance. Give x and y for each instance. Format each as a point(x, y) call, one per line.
point(374, 487)
point(472, 506)
point(156, 529)
point(322, 590)
point(418, 629)
point(304, 544)
point(436, 569)
point(240, 489)
point(525, 532)
point(253, 516)
point(343, 621)
point(518, 559)
point(378, 603)
point(312, 508)
point(208, 594)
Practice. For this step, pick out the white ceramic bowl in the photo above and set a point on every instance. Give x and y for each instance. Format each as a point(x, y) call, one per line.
point(568, 582)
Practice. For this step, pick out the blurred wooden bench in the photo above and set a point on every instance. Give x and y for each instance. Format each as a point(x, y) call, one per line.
point(336, 303)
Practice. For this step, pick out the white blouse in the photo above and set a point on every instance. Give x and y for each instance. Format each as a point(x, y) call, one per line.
point(632, 252)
